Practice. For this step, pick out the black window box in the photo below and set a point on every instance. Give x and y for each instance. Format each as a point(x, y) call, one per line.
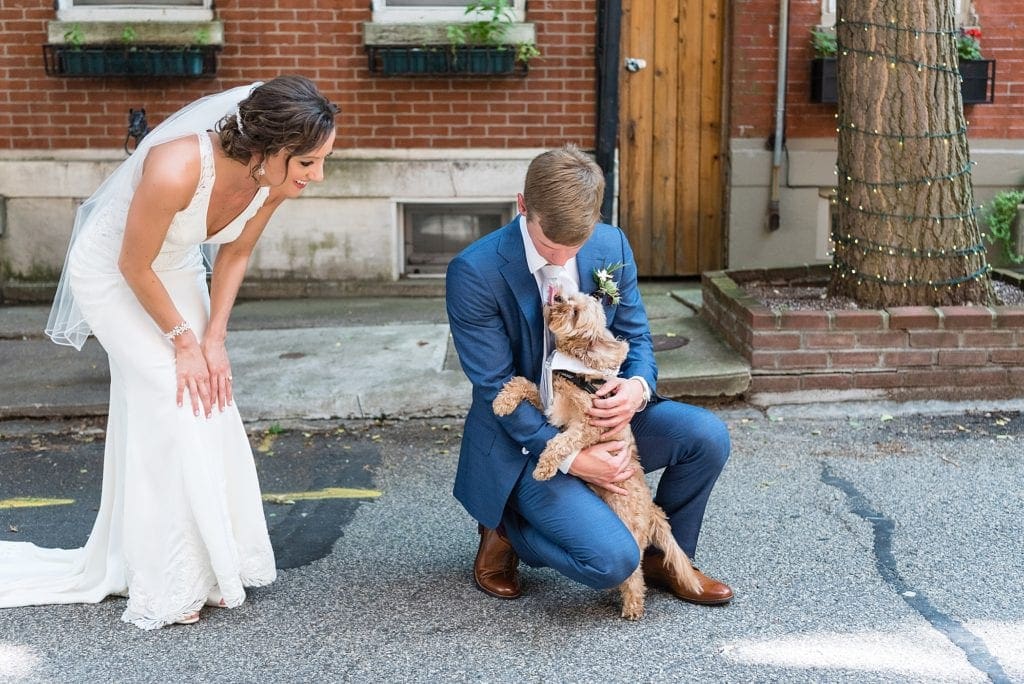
point(444, 60)
point(977, 87)
point(823, 80)
point(979, 81)
point(94, 61)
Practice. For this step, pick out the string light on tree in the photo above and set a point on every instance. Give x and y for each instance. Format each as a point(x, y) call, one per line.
point(906, 219)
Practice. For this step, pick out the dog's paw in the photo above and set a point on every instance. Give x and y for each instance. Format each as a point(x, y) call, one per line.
point(545, 471)
point(512, 394)
point(632, 610)
point(505, 403)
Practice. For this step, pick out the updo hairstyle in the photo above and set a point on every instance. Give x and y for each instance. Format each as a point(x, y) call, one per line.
point(285, 113)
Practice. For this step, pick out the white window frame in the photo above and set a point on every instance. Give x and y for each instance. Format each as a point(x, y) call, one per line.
point(68, 12)
point(384, 14)
point(963, 10)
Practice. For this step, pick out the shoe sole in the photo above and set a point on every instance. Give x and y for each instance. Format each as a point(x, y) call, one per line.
point(698, 602)
point(713, 602)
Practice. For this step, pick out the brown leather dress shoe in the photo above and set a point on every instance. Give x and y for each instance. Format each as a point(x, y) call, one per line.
point(712, 592)
point(496, 569)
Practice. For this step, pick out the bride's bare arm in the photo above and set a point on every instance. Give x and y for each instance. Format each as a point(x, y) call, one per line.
point(169, 179)
point(228, 271)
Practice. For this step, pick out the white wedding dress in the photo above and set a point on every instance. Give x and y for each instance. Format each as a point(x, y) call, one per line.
point(181, 519)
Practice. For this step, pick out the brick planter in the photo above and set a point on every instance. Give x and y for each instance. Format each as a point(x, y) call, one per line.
point(902, 353)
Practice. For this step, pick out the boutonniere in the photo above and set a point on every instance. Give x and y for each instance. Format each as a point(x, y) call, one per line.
point(606, 285)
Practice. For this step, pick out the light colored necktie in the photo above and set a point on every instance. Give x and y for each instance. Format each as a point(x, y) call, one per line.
point(554, 279)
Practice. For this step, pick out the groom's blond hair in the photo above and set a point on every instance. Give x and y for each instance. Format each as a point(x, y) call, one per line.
point(563, 192)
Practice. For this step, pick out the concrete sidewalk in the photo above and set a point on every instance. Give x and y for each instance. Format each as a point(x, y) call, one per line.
point(355, 357)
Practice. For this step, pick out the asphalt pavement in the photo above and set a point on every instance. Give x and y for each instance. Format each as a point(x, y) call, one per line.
point(865, 542)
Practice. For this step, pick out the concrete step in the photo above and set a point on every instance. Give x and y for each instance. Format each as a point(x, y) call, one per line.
point(704, 366)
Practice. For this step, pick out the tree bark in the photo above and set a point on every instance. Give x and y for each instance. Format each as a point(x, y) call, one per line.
point(906, 232)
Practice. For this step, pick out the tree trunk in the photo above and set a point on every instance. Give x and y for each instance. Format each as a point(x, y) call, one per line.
point(906, 232)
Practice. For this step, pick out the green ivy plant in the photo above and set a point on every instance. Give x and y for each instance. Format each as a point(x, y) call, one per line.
point(74, 37)
point(494, 19)
point(824, 42)
point(128, 37)
point(1000, 216)
point(526, 51)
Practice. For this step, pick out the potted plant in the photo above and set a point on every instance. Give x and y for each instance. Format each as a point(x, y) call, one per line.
point(823, 66)
point(193, 57)
point(129, 54)
point(1004, 218)
point(482, 46)
point(75, 58)
point(489, 42)
point(125, 61)
point(977, 73)
point(72, 60)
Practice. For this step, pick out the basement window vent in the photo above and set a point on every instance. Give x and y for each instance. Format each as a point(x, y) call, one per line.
point(434, 233)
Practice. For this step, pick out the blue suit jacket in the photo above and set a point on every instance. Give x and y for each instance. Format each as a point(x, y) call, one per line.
point(496, 320)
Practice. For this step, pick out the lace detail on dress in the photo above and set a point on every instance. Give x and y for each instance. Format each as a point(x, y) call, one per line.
point(189, 582)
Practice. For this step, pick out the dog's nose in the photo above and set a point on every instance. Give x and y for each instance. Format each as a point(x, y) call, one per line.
point(558, 299)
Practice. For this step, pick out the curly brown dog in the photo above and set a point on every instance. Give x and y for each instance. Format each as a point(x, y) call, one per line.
point(578, 324)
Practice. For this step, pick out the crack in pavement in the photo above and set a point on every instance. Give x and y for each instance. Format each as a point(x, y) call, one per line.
point(885, 562)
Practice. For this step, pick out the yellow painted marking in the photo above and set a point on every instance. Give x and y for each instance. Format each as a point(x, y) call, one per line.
point(33, 502)
point(328, 493)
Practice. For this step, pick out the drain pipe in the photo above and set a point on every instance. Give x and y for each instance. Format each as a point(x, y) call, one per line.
point(780, 114)
point(609, 33)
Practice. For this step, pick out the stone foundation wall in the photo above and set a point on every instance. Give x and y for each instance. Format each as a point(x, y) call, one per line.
point(949, 353)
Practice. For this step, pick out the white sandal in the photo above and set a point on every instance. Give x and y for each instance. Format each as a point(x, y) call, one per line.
point(216, 599)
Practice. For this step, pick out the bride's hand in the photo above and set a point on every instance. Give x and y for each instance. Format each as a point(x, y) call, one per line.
point(217, 362)
point(193, 374)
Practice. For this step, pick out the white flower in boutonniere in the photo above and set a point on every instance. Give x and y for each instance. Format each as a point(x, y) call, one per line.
point(606, 284)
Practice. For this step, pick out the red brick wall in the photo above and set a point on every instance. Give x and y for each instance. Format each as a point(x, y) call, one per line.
point(754, 50)
point(951, 352)
point(553, 104)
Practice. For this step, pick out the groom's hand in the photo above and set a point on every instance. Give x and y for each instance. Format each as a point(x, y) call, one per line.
point(604, 465)
point(615, 404)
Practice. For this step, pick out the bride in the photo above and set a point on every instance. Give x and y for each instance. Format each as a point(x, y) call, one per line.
point(181, 521)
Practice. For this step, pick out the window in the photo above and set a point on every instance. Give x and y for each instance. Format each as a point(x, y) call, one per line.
point(175, 3)
point(134, 10)
point(430, 11)
point(434, 233)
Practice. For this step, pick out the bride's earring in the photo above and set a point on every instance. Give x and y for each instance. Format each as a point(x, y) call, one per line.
point(261, 171)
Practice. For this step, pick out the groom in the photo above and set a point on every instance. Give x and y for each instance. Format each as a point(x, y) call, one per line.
point(495, 310)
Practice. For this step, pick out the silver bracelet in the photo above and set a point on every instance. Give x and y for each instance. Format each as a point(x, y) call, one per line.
point(179, 329)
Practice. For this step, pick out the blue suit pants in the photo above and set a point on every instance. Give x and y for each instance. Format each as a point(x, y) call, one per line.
point(561, 523)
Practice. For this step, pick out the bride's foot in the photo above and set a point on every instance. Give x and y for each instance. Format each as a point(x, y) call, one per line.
point(216, 599)
point(188, 619)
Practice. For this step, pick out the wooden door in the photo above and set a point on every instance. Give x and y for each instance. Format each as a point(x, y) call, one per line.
point(671, 135)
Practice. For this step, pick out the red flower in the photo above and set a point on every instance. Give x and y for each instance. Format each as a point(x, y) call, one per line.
point(973, 33)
